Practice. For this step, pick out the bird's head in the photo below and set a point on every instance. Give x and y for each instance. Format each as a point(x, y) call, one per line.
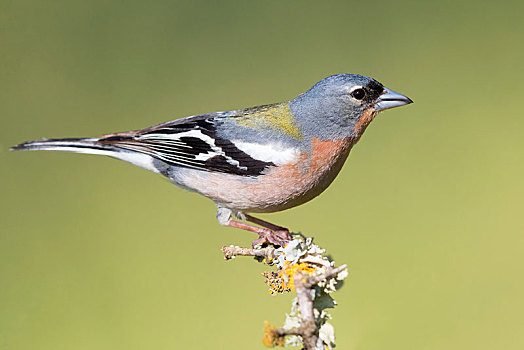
point(343, 105)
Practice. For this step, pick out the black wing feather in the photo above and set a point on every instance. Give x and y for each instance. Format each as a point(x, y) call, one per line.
point(190, 142)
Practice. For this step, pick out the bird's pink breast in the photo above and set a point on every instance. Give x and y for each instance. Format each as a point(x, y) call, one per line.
point(283, 186)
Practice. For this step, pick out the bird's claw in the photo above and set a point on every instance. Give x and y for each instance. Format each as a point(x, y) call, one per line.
point(274, 237)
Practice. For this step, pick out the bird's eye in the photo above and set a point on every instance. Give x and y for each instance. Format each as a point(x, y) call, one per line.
point(358, 94)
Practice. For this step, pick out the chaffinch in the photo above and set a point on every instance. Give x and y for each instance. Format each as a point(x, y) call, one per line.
point(256, 160)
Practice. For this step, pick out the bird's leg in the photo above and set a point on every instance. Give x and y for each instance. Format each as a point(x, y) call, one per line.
point(279, 231)
point(269, 233)
point(265, 234)
point(264, 223)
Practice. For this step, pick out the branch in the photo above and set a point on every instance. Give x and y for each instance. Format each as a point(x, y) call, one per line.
point(301, 266)
point(308, 328)
point(312, 280)
point(230, 252)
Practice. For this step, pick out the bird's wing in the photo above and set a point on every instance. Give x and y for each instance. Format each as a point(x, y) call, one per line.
point(190, 142)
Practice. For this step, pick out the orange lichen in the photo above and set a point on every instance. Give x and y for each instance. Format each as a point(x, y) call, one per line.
point(271, 338)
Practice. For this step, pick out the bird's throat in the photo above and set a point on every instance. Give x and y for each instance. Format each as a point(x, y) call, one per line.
point(361, 125)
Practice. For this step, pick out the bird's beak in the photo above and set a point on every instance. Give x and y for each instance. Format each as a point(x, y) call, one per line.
point(391, 99)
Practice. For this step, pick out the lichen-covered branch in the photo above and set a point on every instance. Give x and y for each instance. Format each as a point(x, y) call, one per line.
point(303, 267)
point(231, 252)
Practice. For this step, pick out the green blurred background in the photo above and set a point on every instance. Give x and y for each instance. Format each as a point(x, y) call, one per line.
point(98, 254)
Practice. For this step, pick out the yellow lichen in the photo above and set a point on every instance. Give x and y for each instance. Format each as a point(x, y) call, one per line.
point(289, 271)
point(275, 282)
point(284, 280)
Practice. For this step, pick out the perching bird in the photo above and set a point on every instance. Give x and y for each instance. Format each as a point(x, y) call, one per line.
point(256, 160)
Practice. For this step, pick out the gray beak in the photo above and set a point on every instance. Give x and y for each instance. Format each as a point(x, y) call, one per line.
point(391, 99)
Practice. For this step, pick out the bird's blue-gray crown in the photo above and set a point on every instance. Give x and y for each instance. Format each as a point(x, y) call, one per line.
point(333, 106)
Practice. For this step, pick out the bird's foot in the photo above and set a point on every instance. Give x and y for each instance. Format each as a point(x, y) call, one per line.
point(274, 237)
point(267, 234)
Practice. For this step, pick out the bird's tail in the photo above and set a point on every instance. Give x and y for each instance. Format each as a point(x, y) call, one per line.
point(78, 145)
point(108, 145)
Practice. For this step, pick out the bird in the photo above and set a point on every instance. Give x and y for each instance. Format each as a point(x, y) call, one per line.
point(261, 159)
